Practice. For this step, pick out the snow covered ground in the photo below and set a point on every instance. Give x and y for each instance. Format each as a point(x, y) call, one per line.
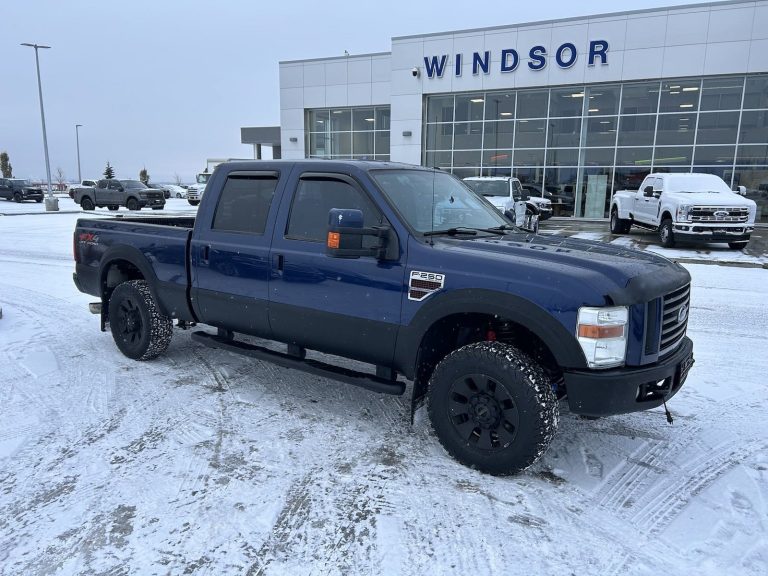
point(203, 462)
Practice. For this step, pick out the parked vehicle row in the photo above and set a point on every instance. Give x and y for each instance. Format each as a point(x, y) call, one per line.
point(685, 208)
point(417, 276)
point(20, 190)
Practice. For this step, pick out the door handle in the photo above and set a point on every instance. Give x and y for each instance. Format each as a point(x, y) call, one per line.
point(206, 253)
point(279, 262)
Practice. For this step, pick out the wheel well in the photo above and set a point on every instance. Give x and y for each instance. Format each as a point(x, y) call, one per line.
point(117, 272)
point(457, 330)
point(665, 215)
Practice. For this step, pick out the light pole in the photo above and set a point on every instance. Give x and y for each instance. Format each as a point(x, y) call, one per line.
point(77, 136)
point(51, 203)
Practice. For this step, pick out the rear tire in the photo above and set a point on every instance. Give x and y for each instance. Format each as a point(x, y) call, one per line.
point(139, 329)
point(666, 233)
point(87, 204)
point(492, 408)
point(737, 245)
point(619, 225)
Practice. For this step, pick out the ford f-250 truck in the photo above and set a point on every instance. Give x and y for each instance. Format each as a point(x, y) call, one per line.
point(685, 208)
point(406, 269)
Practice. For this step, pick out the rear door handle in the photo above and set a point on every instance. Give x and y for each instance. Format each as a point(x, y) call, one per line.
point(278, 263)
point(206, 253)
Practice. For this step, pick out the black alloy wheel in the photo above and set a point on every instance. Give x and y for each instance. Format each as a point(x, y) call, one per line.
point(483, 412)
point(139, 329)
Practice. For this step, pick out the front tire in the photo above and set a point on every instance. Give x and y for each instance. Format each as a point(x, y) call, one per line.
point(132, 204)
point(492, 407)
point(139, 329)
point(737, 245)
point(194, 202)
point(619, 225)
point(666, 233)
point(17, 197)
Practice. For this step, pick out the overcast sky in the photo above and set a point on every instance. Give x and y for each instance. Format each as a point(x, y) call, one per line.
point(167, 84)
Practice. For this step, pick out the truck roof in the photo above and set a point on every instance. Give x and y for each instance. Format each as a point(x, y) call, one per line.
point(319, 162)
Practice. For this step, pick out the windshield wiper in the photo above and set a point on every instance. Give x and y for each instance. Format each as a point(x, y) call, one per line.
point(452, 232)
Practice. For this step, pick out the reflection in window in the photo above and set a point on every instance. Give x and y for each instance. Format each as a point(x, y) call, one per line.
point(603, 100)
point(675, 129)
point(499, 135)
point(244, 204)
point(532, 103)
point(722, 93)
point(637, 130)
point(564, 132)
point(671, 155)
point(469, 107)
point(640, 98)
point(754, 127)
point(717, 128)
point(348, 132)
point(756, 92)
point(530, 133)
point(500, 106)
point(680, 95)
point(566, 102)
point(601, 131)
point(714, 155)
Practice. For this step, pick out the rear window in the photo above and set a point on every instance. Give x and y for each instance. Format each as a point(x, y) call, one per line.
point(244, 203)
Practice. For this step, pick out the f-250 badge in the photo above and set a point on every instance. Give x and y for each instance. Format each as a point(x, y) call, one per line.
point(422, 284)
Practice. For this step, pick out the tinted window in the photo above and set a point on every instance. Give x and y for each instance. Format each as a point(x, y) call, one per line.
point(315, 198)
point(244, 204)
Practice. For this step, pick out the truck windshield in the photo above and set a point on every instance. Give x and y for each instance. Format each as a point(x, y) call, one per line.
point(693, 183)
point(20, 182)
point(132, 184)
point(489, 187)
point(431, 200)
point(203, 178)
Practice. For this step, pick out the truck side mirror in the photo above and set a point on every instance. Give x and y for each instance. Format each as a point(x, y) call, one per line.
point(345, 235)
point(741, 190)
point(648, 191)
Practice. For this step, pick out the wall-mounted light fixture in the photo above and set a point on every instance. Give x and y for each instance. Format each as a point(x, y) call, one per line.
point(407, 133)
point(293, 139)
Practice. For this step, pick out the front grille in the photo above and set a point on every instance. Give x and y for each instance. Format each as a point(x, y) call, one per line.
point(674, 320)
point(719, 214)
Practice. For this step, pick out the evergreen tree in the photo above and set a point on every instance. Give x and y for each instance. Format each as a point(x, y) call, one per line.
point(109, 172)
point(144, 175)
point(5, 165)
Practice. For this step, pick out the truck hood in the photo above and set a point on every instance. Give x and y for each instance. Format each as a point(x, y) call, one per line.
point(540, 201)
point(711, 199)
point(622, 276)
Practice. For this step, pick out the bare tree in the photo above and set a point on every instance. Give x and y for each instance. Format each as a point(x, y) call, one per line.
point(177, 178)
point(61, 179)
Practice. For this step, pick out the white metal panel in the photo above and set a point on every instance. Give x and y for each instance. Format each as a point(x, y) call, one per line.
point(291, 97)
point(687, 28)
point(406, 55)
point(611, 72)
point(359, 94)
point(314, 74)
point(527, 38)
point(467, 81)
point(612, 31)
point(336, 72)
point(466, 44)
point(403, 82)
point(381, 69)
point(498, 41)
point(572, 75)
point(396, 129)
point(758, 56)
point(314, 96)
point(731, 24)
point(336, 95)
point(292, 150)
point(760, 22)
point(645, 32)
point(576, 34)
point(291, 76)
point(727, 57)
point(291, 119)
point(380, 92)
point(406, 107)
point(642, 63)
point(500, 80)
point(359, 70)
point(406, 153)
point(684, 60)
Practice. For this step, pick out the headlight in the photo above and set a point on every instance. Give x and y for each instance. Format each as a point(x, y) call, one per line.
point(684, 213)
point(602, 334)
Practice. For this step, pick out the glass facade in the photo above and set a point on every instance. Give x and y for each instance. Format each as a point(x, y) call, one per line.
point(577, 145)
point(346, 133)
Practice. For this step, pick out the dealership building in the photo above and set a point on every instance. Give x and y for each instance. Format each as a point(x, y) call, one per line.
point(575, 108)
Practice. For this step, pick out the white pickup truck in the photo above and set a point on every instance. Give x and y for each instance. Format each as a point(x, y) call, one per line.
point(503, 192)
point(685, 208)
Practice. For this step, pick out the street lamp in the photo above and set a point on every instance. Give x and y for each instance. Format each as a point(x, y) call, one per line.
point(51, 203)
point(77, 136)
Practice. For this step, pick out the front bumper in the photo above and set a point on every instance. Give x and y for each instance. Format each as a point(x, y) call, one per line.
point(32, 194)
point(628, 389)
point(153, 202)
point(699, 233)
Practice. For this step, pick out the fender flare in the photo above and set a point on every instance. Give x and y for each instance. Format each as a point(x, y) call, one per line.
point(136, 258)
point(561, 343)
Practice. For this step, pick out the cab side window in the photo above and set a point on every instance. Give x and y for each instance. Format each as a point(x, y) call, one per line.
point(244, 203)
point(313, 200)
point(102, 185)
point(114, 185)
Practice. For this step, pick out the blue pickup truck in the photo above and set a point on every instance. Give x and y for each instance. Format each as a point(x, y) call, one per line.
point(405, 269)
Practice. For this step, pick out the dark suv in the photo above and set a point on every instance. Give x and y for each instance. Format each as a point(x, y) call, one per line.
point(19, 190)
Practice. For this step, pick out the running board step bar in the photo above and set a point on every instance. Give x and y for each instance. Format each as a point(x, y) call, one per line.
point(361, 379)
